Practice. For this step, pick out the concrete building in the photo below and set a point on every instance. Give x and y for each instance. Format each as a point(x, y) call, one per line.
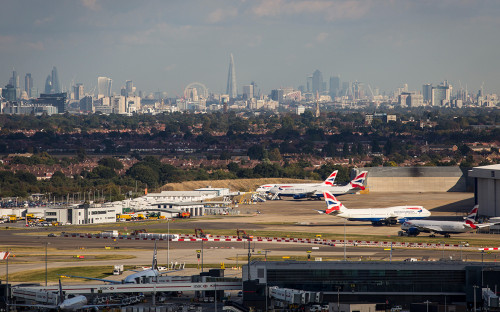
point(351, 282)
point(487, 189)
point(416, 179)
point(83, 214)
point(441, 95)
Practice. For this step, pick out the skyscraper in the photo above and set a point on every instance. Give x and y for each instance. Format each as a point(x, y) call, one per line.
point(317, 82)
point(55, 81)
point(48, 84)
point(231, 89)
point(78, 91)
point(441, 95)
point(28, 84)
point(248, 92)
point(334, 86)
point(103, 87)
point(427, 92)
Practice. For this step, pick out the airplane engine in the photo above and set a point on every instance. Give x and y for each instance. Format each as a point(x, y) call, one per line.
point(413, 231)
point(299, 196)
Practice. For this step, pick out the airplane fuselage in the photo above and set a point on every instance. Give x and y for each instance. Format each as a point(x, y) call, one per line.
point(396, 214)
point(434, 226)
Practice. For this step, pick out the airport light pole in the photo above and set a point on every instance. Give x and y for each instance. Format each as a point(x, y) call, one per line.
point(345, 256)
point(46, 244)
point(427, 302)
point(168, 243)
point(338, 298)
point(475, 287)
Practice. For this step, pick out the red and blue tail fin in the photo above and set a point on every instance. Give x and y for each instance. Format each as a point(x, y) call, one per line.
point(473, 213)
point(332, 204)
point(359, 180)
point(331, 178)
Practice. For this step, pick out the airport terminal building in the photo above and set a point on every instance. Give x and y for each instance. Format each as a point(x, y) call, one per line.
point(373, 282)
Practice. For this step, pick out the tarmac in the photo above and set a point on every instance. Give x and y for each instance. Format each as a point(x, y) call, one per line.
point(280, 216)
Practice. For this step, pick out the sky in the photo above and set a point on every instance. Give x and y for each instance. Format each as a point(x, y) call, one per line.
point(165, 45)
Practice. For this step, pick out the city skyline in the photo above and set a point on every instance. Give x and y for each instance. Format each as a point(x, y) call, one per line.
point(276, 43)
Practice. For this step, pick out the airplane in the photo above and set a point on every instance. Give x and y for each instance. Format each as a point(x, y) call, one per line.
point(267, 187)
point(377, 216)
point(72, 303)
point(316, 190)
point(413, 228)
point(139, 276)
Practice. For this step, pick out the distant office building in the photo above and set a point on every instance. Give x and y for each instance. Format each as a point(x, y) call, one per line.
point(346, 88)
point(427, 92)
point(52, 85)
point(410, 99)
point(58, 100)
point(9, 93)
point(55, 81)
point(231, 89)
point(104, 87)
point(309, 83)
point(441, 95)
point(118, 104)
point(248, 92)
point(317, 82)
point(334, 86)
point(277, 95)
point(28, 84)
point(256, 93)
point(86, 104)
point(14, 80)
point(78, 91)
point(129, 89)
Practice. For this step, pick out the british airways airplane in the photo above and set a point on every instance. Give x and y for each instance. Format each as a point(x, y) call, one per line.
point(298, 191)
point(377, 216)
point(413, 228)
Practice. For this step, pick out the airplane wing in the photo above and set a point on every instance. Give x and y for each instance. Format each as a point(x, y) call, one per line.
point(95, 279)
point(481, 225)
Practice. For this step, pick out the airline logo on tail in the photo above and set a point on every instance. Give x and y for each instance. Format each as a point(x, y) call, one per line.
point(332, 204)
point(359, 180)
point(473, 213)
point(331, 178)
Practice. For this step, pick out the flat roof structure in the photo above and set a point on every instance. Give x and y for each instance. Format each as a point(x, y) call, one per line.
point(487, 189)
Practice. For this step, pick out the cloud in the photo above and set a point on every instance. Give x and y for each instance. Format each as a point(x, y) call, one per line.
point(220, 15)
point(320, 38)
point(91, 5)
point(39, 22)
point(35, 45)
point(329, 10)
point(157, 34)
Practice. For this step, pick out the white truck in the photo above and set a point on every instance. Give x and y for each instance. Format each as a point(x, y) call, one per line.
point(118, 270)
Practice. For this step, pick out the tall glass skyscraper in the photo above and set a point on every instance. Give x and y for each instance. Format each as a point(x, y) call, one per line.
point(231, 89)
point(317, 82)
point(103, 86)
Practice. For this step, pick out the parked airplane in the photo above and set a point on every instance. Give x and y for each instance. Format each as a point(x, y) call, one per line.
point(266, 188)
point(139, 276)
point(413, 228)
point(72, 303)
point(378, 216)
point(316, 190)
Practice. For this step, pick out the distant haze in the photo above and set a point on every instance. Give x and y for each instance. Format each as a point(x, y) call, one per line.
point(165, 45)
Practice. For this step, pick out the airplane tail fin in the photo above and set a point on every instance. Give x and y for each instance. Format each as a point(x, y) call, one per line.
point(359, 180)
point(331, 178)
point(473, 213)
point(333, 205)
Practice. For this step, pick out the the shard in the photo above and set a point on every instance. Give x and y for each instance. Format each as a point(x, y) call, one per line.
point(231, 90)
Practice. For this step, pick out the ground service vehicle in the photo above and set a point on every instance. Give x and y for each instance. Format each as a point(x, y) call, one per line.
point(243, 234)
